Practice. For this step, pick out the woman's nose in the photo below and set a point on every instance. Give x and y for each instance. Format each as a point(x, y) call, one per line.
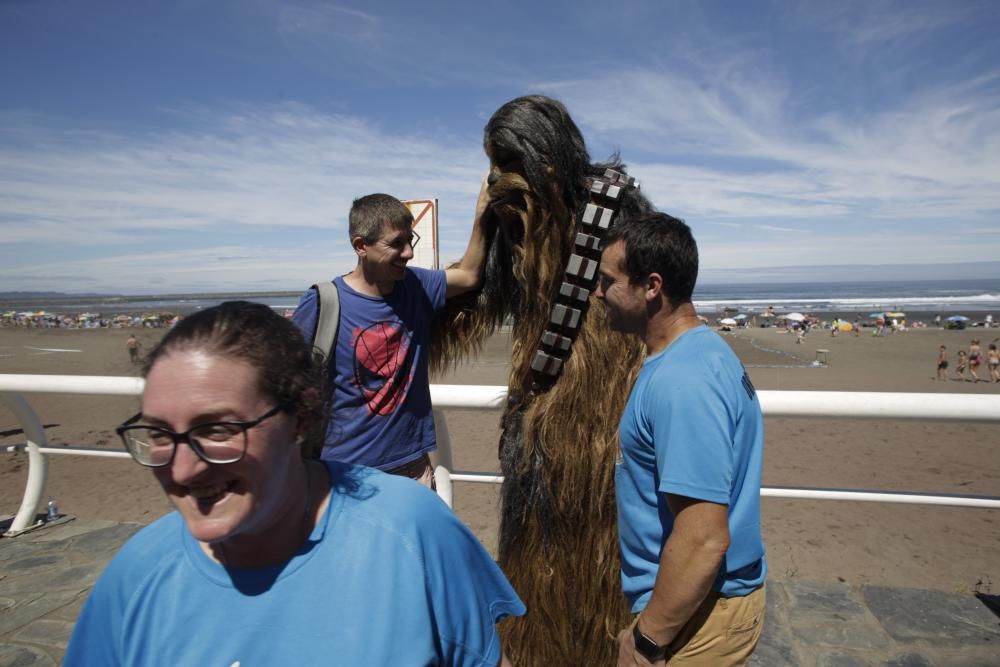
point(186, 465)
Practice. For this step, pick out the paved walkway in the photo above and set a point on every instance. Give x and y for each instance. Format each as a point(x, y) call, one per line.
point(45, 576)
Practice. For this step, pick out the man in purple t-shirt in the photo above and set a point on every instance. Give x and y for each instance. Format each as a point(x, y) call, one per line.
point(381, 393)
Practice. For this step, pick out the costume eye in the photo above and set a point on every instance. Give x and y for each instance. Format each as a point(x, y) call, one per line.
point(505, 160)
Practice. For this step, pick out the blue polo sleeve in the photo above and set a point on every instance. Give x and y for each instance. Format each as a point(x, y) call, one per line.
point(693, 435)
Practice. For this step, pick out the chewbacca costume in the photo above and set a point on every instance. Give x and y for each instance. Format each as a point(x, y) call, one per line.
point(558, 531)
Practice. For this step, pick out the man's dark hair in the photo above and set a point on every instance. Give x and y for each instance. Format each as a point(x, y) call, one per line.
point(253, 333)
point(373, 213)
point(659, 243)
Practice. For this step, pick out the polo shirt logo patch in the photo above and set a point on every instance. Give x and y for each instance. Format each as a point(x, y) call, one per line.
point(748, 386)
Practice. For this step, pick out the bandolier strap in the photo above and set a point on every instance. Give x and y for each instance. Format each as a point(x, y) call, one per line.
point(580, 277)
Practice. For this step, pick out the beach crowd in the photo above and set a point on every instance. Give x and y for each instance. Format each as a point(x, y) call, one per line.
point(971, 360)
point(45, 320)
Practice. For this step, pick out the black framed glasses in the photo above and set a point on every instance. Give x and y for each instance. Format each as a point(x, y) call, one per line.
point(402, 241)
point(216, 442)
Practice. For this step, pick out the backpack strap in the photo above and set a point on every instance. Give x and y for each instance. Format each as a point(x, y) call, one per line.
point(327, 317)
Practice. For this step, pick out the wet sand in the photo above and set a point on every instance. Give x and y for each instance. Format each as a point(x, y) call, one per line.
point(948, 549)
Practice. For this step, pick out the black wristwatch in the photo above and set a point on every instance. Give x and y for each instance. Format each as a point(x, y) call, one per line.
point(649, 649)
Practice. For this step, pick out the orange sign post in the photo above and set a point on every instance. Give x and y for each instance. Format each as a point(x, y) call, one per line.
point(425, 224)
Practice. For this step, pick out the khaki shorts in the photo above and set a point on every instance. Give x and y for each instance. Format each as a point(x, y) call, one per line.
point(418, 469)
point(722, 632)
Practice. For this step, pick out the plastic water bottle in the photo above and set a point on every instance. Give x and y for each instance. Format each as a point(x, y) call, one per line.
point(53, 511)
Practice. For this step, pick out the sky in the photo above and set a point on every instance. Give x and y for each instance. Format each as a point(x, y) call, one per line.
point(215, 145)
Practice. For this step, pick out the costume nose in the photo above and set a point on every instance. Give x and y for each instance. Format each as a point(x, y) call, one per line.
point(493, 177)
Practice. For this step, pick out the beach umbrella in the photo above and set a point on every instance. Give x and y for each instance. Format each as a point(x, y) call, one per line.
point(728, 321)
point(897, 314)
point(740, 317)
point(794, 317)
point(958, 318)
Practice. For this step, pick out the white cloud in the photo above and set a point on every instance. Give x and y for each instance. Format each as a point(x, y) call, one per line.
point(736, 148)
point(775, 228)
point(323, 23)
point(878, 24)
point(717, 132)
point(270, 168)
point(230, 185)
point(189, 269)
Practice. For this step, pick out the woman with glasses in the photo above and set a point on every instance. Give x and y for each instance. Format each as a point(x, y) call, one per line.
point(272, 556)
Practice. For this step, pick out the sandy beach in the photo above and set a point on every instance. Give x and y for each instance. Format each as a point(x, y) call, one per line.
point(949, 549)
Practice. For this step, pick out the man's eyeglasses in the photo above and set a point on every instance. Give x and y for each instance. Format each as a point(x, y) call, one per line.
point(217, 442)
point(401, 242)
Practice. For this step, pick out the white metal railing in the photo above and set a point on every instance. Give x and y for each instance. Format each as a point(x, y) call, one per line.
point(854, 405)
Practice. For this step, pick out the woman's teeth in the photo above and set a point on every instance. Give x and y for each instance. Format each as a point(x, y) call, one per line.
point(213, 492)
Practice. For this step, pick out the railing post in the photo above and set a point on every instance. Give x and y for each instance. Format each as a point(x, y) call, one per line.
point(442, 479)
point(442, 455)
point(441, 458)
point(38, 467)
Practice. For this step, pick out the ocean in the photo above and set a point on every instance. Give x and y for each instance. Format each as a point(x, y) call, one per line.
point(923, 296)
point(929, 297)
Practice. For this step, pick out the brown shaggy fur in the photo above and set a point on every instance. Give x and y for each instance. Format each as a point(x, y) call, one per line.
point(558, 534)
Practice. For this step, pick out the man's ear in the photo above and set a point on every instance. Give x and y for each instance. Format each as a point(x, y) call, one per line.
point(359, 245)
point(654, 287)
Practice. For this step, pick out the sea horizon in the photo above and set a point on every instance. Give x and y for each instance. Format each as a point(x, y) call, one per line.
point(924, 296)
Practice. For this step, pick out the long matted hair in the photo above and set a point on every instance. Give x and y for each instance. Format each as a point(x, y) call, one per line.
point(558, 534)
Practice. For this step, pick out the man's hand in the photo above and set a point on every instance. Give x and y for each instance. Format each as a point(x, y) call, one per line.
point(483, 201)
point(468, 273)
point(628, 656)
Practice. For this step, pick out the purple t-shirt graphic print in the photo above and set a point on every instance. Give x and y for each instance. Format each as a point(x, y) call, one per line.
point(383, 365)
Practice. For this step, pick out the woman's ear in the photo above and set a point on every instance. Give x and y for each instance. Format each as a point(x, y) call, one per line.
point(309, 397)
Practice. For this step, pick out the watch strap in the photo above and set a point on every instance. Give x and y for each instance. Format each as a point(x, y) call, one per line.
point(647, 647)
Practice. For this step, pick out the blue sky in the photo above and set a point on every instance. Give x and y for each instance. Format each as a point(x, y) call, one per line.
point(199, 145)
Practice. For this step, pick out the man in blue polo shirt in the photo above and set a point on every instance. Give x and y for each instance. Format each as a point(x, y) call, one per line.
point(378, 365)
point(688, 478)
